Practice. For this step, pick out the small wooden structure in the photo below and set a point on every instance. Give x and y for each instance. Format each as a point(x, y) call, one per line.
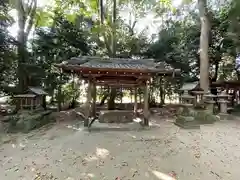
point(34, 97)
point(190, 87)
point(117, 73)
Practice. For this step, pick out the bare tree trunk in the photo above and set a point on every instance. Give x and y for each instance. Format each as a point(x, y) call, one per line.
point(121, 89)
point(237, 53)
point(105, 96)
point(214, 78)
point(111, 103)
point(21, 45)
point(114, 42)
point(161, 89)
point(59, 95)
point(23, 32)
point(204, 45)
point(101, 10)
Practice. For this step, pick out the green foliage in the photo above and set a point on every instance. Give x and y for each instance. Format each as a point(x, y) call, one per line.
point(51, 46)
point(70, 92)
point(68, 28)
point(7, 45)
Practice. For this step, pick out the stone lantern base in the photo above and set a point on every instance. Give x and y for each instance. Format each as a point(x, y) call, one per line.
point(189, 118)
point(185, 118)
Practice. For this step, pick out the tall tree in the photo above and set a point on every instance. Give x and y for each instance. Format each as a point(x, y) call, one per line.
point(26, 14)
point(111, 102)
point(204, 45)
point(7, 45)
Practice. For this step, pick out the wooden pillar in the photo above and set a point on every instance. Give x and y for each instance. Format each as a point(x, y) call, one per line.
point(32, 104)
point(94, 96)
point(21, 104)
point(146, 106)
point(121, 89)
point(131, 94)
point(44, 103)
point(140, 97)
point(88, 103)
point(238, 96)
point(135, 100)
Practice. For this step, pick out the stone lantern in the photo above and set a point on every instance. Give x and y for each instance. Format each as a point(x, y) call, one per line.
point(209, 101)
point(198, 96)
point(223, 101)
point(187, 100)
point(185, 115)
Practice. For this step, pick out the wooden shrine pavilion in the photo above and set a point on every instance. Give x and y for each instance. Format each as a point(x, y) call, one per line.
point(34, 97)
point(116, 72)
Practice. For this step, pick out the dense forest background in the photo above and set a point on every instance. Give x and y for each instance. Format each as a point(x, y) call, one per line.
point(202, 38)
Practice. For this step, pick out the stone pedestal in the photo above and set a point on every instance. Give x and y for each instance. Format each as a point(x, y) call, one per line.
point(187, 122)
point(209, 101)
point(198, 95)
point(210, 106)
point(185, 116)
point(116, 116)
point(187, 99)
point(223, 102)
point(223, 106)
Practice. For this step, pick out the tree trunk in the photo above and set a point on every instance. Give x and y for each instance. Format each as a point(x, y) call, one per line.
point(74, 100)
point(105, 96)
point(23, 32)
point(21, 46)
point(214, 78)
point(121, 93)
point(59, 99)
point(204, 44)
point(237, 54)
point(101, 10)
point(111, 102)
point(113, 94)
point(162, 99)
point(114, 43)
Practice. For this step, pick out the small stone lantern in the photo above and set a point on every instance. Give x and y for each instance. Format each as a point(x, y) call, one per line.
point(223, 101)
point(198, 95)
point(185, 115)
point(209, 101)
point(187, 100)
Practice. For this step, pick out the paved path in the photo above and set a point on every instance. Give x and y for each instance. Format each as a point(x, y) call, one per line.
point(66, 151)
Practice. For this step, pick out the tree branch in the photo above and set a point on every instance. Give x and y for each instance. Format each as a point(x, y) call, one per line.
point(21, 14)
point(110, 52)
point(29, 5)
point(31, 14)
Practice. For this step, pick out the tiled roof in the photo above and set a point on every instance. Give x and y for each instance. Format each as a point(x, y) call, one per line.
point(25, 96)
point(37, 90)
point(189, 86)
point(116, 63)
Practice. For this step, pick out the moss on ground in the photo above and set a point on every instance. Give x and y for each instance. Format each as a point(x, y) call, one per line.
point(26, 121)
point(189, 117)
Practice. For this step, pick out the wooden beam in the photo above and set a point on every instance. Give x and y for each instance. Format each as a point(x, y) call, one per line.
point(21, 104)
point(78, 68)
point(146, 106)
point(119, 85)
point(135, 101)
point(32, 104)
point(94, 96)
point(88, 103)
point(118, 82)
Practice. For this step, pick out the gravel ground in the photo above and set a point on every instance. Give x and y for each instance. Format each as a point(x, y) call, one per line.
point(123, 152)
